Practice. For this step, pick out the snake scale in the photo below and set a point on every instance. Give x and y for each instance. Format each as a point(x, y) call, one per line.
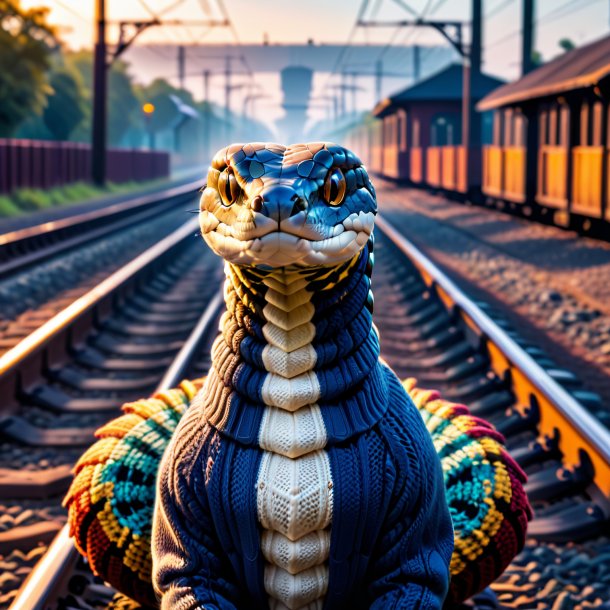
point(300, 473)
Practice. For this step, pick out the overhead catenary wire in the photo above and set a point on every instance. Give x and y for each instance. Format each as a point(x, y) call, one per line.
point(74, 12)
point(547, 18)
point(498, 9)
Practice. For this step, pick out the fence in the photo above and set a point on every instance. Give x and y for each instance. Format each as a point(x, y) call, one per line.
point(45, 164)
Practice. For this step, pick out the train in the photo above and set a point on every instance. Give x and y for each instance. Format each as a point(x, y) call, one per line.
point(545, 139)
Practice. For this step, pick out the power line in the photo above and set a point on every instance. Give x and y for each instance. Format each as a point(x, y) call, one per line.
point(147, 9)
point(554, 17)
point(68, 8)
point(406, 7)
point(225, 14)
point(425, 10)
point(376, 8)
point(498, 9)
point(437, 6)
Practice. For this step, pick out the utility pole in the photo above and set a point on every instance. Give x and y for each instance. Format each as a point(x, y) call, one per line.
point(181, 66)
point(98, 149)
point(416, 63)
point(228, 60)
point(206, 86)
point(378, 79)
point(471, 120)
point(354, 87)
point(527, 63)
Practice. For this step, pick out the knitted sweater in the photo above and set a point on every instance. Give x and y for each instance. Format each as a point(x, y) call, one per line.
point(251, 514)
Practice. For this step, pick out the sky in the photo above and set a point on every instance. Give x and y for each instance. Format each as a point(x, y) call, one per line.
point(328, 21)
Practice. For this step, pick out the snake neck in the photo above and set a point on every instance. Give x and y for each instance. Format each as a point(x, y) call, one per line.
point(295, 369)
point(292, 338)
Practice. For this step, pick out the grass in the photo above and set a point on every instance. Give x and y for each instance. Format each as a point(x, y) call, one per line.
point(24, 201)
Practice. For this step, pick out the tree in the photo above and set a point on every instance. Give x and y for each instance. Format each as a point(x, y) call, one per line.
point(566, 44)
point(26, 44)
point(65, 107)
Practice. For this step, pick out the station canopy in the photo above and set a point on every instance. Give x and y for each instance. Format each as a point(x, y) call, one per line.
point(444, 86)
point(577, 69)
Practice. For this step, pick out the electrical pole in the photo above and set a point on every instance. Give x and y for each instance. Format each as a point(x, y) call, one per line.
point(98, 149)
point(471, 120)
point(378, 77)
point(527, 63)
point(206, 86)
point(181, 66)
point(227, 94)
point(416, 63)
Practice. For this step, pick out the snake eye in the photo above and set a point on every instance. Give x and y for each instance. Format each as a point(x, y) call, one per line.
point(334, 187)
point(228, 187)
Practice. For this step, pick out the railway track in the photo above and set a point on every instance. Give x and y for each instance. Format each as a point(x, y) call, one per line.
point(69, 376)
point(44, 268)
point(23, 248)
point(429, 329)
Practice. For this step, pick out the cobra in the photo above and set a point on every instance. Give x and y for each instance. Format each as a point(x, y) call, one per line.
point(300, 473)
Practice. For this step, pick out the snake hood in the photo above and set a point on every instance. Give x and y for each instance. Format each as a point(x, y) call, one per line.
point(271, 206)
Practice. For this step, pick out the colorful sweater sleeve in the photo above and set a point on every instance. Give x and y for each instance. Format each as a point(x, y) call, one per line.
point(189, 568)
point(411, 566)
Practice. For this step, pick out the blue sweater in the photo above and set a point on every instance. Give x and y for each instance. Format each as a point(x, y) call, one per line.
point(391, 539)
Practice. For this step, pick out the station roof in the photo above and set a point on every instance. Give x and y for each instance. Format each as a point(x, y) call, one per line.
point(444, 86)
point(576, 69)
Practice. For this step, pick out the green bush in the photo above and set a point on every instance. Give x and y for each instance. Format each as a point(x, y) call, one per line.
point(8, 208)
point(31, 199)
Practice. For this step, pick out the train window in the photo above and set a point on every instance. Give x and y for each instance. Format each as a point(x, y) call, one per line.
point(596, 124)
point(552, 128)
point(543, 122)
point(415, 137)
point(519, 130)
point(445, 130)
point(497, 127)
point(402, 130)
point(487, 134)
point(585, 130)
point(564, 125)
point(508, 127)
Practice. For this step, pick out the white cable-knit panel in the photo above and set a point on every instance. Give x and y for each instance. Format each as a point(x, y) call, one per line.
point(296, 590)
point(289, 340)
point(287, 320)
point(276, 604)
point(287, 302)
point(306, 552)
point(290, 364)
point(292, 434)
point(294, 486)
point(295, 496)
point(290, 394)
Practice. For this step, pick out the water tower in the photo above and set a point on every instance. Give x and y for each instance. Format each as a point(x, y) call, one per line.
point(296, 85)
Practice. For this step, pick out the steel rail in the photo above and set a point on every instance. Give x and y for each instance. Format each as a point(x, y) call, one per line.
point(75, 230)
point(557, 406)
point(23, 363)
point(49, 574)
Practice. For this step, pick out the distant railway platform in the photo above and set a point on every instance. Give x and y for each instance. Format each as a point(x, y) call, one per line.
point(549, 282)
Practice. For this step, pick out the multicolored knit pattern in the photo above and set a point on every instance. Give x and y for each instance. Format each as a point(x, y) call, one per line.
point(112, 496)
point(484, 490)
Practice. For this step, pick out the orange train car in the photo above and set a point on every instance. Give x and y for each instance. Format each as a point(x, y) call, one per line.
point(421, 131)
point(546, 139)
point(550, 138)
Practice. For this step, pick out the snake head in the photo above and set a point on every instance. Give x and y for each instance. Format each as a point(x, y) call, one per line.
point(270, 206)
